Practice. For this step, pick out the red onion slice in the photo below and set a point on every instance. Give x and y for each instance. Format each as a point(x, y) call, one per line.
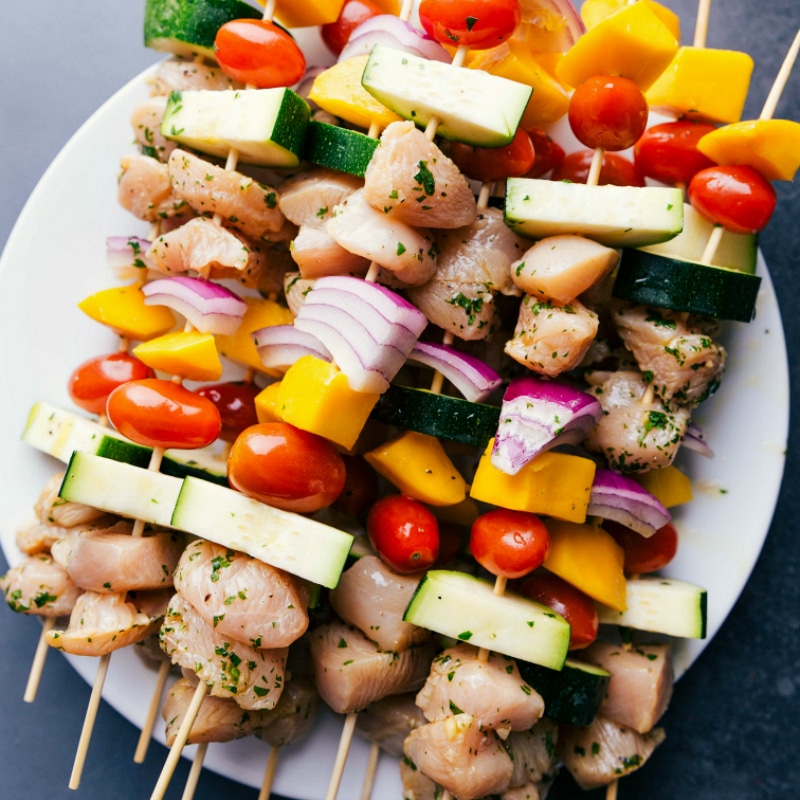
point(391, 31)
point(126, 254)
point(536, 415)
point(474, 379)
point(694, 438)
point(207, 306)
point(620, 498)
point(279, 346)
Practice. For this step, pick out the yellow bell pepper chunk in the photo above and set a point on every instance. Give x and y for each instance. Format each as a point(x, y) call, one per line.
point(124, 311)
point(389, 6)
point(556, 484)
point(239, 347)
point(690, 85)
point(513, 60)
point(588, 558)
point(771, 146)
point(633, 42)
point(338, 90)
point(266, 403)
point(292, 14)
point(418, 466)
point(595, 11)
point(190, 355)
point(314, 395)
point(670, 486)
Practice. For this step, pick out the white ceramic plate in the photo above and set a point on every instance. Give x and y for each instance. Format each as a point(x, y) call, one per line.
point(56, 256)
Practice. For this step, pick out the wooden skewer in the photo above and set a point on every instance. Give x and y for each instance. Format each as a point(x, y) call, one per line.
point(88, 722)
point(611, 790)
point(152, 713)
point(37, 665)
point(701, 25)
point(341, 755)
point(269, 774)
point(781, 79)
point(372, 767)
point(194, 773)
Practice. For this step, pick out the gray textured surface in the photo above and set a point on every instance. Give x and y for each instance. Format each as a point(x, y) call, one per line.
point(733, 724)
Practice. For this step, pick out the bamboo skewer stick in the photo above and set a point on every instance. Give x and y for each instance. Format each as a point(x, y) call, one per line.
point(194, 773)
point(701, 25)
point(269, 774)
point(88, 722)
point(341, 755)
point(152, 713)
point(39, 657)
point(369, 775)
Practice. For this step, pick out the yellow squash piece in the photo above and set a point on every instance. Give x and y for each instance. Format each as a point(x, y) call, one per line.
point(419, 467)
point(123, 309)
point(690, 85)
point(314, 395)
point(555, 484)
point(338, 91)
point(595, 11)
point(306, 13)
point(191, 355)
point(239, 347)
point(633, 42)
point(669, 485)
point(772, 146)
point(588, 558)
point(266, 403)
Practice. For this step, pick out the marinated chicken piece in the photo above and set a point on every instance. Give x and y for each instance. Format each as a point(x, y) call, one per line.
point(388, 721)
point(374, 598)
point(218, 719)
point(641, 682)
point(492, 692)
point(177, 75)
point(309, 198)
point(637, 432)
point(685, 363)
point(317, 254)
point(412, 181)
point(533, 754)
point(242, 597)
point(144, 189)
point(150, 653)
point(481, 253)
point(550, 338)
point(466, 310)
point(40, 537)
point(243, 203)
point(265, 270)
point(54, 510)
point(410, 253)
point(417, 786)
point(201, 246)
point(231, 669)
point(530, 791)
point(459, 755)
point(295, 289)
point(146, 122)
point(294, 715)
point(351, 672)
point(101, 623)
point(39, 585)
point(604, 751)
point(114, 561)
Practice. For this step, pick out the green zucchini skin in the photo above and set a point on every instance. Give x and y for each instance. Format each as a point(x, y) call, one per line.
point(338, 148)
point(663, 282)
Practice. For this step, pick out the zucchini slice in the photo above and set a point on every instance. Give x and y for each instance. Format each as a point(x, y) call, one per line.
point(338, 148)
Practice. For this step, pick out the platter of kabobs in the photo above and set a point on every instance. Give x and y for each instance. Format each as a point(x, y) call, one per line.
point(405, 445)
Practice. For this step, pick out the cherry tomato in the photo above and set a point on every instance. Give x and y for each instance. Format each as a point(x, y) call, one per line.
point(549, 154)
point(576, 607)
point(509, 543)
point(643, 555)
point(737, 197)
point(607, 111)
point(93, 381)
point(160, 413)
point(235, 402)
point(616, 169)
point(259, 53)
point(478, 24)
point(404, 533)
point(360, 487)
point(353, 13)
point(495, 163)
point(286, 467)
point(668, 152)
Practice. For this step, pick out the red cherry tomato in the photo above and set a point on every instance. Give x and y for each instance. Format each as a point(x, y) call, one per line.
point(353, 13)
point(495, 163)
point(259, 53)
point(404, 533)
point(509, 543)
point(668, 152)
point(607, 111)
point(236, 405)
point(737, 197)
point(549, 154)
point(286, 467)
point(643, 555)
point(576, 607)
point(160, 413)
point(360, 487)
point(478, 24)
point(94, 380)
point(616, 169)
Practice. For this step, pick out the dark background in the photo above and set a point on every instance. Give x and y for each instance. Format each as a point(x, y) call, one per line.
point(733, 723)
